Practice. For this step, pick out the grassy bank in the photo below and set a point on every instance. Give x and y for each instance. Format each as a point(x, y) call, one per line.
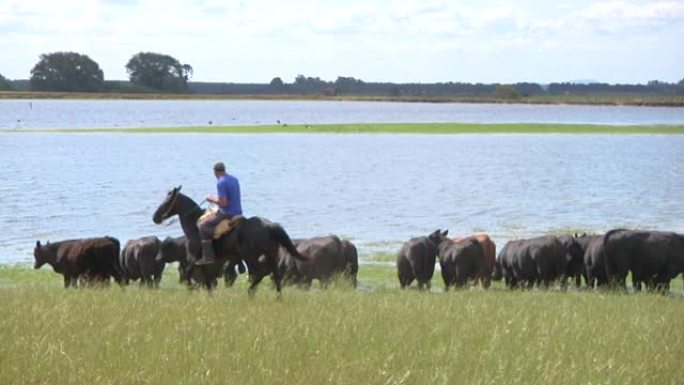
point(398, 128)
point(339, 336)
point(594, 99)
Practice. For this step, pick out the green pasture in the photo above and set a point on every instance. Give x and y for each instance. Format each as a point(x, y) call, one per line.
point(375, 335)
point(397, 128)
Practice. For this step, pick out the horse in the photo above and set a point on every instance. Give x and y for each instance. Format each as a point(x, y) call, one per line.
point(251, 239)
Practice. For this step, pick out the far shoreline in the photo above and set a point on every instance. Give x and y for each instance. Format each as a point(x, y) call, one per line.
point(606, 100)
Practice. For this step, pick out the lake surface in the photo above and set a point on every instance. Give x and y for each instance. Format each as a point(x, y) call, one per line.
point(55, 114)
point(379, 190)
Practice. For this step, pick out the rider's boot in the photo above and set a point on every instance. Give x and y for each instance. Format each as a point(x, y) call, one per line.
point(208, 255)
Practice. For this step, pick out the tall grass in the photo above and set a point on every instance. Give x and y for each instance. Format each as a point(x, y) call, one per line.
point(340, 336)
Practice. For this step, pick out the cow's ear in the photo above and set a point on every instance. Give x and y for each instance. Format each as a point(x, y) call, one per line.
point(37, 243)
point(445, 232)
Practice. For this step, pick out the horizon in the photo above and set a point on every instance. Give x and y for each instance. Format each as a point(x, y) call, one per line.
point(409, 41)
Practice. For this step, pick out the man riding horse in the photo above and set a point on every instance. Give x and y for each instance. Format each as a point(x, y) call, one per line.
point(229, 206)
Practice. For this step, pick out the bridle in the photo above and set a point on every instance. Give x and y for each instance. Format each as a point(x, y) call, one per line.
point(171, 206)
point(181, 216)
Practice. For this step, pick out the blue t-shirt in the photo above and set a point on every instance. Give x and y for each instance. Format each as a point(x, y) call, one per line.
point(228, 186)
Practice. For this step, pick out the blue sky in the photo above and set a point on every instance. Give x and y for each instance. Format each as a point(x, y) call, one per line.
point(615, 41)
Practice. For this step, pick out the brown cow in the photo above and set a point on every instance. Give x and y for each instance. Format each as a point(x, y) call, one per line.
point(92, 258)
point(489, 249)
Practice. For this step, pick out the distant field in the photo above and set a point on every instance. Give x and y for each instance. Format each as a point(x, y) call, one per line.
point(401, 128)
point(339, 336)
point(599, 99)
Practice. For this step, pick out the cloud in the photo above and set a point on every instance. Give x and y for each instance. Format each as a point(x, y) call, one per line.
point(252, 38)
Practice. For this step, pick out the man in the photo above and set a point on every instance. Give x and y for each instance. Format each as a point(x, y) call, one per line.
point(228, 201)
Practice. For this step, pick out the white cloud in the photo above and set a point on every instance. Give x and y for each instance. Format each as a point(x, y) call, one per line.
point(390, 40)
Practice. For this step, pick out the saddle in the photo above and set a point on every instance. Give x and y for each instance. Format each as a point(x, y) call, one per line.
point(225, 226)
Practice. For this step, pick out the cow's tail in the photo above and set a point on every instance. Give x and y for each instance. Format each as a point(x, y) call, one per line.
point(279, 234)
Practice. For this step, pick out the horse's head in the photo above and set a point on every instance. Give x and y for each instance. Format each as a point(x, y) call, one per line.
point(168, 207)
point(39, 256)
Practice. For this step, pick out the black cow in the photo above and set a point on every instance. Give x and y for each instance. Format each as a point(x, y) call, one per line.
point(594, 260)
point(460, 261)
point(175, 250)
point(540, 261)
point(653, 257)
point(416, 261)
point(328, 257)
point(505, 262)
point(139, 261)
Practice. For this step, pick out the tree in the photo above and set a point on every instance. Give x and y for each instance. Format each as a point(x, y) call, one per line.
point(66, 71)
point(5, 84)
point(159, 72)
point(277, 82)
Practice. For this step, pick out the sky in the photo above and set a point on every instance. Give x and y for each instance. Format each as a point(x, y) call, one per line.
point(543, 41)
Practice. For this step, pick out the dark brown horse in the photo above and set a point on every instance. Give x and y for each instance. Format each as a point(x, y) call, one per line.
point(251, 239)
point(91, 258)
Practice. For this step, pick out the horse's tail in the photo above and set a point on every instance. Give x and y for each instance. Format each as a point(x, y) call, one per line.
point(278, 233)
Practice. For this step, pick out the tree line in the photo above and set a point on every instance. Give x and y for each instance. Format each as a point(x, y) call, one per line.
point(74, 72)
point(155, 72)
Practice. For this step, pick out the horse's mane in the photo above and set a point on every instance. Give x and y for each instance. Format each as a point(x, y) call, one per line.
point(186, 198)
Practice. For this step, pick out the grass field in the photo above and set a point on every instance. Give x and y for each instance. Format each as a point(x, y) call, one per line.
point(339, 336)
point(399, 128)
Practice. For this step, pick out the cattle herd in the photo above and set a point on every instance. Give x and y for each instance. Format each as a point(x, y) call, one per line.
point(653, 258)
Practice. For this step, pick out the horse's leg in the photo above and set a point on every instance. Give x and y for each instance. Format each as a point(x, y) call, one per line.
point(272, 258)
point(254, 279)
point(207, 278)
point(229, 274)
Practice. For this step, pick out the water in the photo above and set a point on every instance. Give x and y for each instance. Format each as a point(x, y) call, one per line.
point(378, 190)
point(53, 114)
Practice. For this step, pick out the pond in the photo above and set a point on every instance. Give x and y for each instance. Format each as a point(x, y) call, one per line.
point(378, 190)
